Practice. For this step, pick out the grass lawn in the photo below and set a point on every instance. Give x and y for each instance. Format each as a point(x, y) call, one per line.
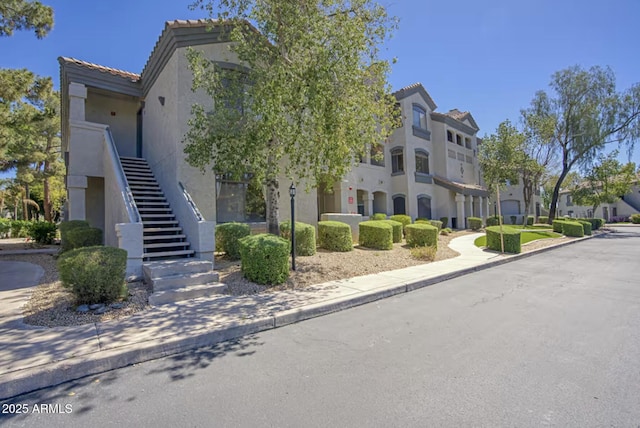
point(524, 237)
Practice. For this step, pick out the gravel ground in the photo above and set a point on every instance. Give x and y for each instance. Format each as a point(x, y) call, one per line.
point(51, 305)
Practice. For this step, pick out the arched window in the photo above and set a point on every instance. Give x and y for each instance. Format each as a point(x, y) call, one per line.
point(422, 162)
point(377, 154)
point(424, 206)
point(399, 204)
point(397, 160)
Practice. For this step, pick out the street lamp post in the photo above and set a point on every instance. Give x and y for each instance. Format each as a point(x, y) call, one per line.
point(292, 193)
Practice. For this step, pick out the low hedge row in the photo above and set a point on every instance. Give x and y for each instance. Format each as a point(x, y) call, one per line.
point(379, 216)
point(586, 226)
point(376, 234)
point(305, 237)
point(228, 236)
point(402, 218)
point(335, 236)
point(572, 228)
point(511, 239)
point(421, 234)
point(530, 220)
point(494, 221)
point(435, 223)
point(543, 219)
point(474, 223)
point(557, 225)
point(94, 274)
point(397, 230)
point(265, 258)
point(44, 232)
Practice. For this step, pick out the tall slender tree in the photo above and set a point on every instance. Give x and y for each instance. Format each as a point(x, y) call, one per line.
point(312, 94)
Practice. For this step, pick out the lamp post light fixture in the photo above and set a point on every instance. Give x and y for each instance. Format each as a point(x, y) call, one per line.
point(292, 193)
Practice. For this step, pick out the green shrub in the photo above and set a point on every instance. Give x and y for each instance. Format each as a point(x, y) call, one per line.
point(511, 239)
point(445, 221)
point(305, 237)
point(404, 219)
point(376, 234)
point(335, 236)
point(421, 235)
point(5, 227)
point(265, 258)
point(19, 229)
point(436, 223)
point(635, 218)
point(94, 274)
point(379, 216)
point(42, 232)
point(422, 220)
point(599, 222)
point(474, 223)
point(82, 237)
point(586, 225)
point(228, 236)
point(446, 231)
point(65, 227)
point(530, 220)
point(494, 221)
point(513, 219)
point(543, 219)
point(397, 230)
point(557, 226)
point(572, 228)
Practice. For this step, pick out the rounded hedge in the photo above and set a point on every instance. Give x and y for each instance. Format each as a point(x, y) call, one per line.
point(511, 239)
point(557, 226)
point(635, 218)
point(379, 216)
point(586, 226)
point(474, 223)
point(82, 237)
point(265, 258)
point(494, 221)
point(65, 227)
point(572, 228)
point(228, 236)
point(397, 230)
point(402, 218)
point(42, 232)
point(421, 234)
point(305, 237)
point(94, 274)
point(376, 234)
point(530, 220)
point(445, 222)
point(543, 219)
point(335, 236)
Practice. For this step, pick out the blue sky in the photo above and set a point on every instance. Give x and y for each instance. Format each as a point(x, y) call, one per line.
point(488, 57)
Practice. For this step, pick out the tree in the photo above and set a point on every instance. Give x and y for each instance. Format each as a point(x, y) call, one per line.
point(587, 114)
point(501, 159)
point(25, 15)
point(605, 183)
point(311, 95)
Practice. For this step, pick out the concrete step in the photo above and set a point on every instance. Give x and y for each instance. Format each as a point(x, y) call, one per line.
point(157, 204)
point(159, 269)
point(154, 210)
point(160, 229)
point(156, 223)
point(156, 215)
point(166, 245)
point(147, 192)
point(132, 169)
point(138, 173)
point(164, 237)
point(181, 281)
point(177, 253)
point(137, 181)
point(186, 293)
point(143, 199)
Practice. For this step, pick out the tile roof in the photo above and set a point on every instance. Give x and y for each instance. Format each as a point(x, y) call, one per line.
point(101, 68)
point(457, 114)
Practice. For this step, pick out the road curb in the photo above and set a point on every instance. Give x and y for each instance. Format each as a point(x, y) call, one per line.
point(52, 374)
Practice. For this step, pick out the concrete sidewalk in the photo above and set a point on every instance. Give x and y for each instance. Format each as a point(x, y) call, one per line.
point(34, 357)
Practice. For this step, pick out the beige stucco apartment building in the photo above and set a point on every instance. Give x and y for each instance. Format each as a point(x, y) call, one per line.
point(621, 209)
point(126, 174)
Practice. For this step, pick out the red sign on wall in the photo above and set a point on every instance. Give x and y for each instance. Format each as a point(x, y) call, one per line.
point(350, 199)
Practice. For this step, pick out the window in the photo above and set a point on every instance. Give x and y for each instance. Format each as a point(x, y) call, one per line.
point(419, 117)
point(424, 206)
point(450, 136)
point(399, 205)
point(569, 203)
point(467, 143)
point(397, 161)
point(422, 162)
point(459, 139)
point(377, 154)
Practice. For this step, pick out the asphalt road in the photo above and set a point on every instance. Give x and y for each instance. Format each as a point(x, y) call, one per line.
point(549, 340)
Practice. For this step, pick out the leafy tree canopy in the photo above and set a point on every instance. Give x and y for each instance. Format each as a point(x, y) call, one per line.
point(25, 15)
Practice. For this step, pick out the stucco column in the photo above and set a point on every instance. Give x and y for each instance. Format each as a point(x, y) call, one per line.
point(460, 211)
point(480, 208)
point(77, 97)
point(76, 187)
point(368, 206)
point(487, 206)
point(470, 212)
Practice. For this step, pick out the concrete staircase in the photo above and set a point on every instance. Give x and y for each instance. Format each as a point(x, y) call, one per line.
point(169, 263)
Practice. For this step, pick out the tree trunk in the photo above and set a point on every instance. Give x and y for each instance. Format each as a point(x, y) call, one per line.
point(273, 212)
point(47, 199)
point(527, 191)
point(25, 207)
point(500, 219)
point(555, 195)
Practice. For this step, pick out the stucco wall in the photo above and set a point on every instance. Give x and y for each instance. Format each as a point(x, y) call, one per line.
point(95, 204)
point(117, 111)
